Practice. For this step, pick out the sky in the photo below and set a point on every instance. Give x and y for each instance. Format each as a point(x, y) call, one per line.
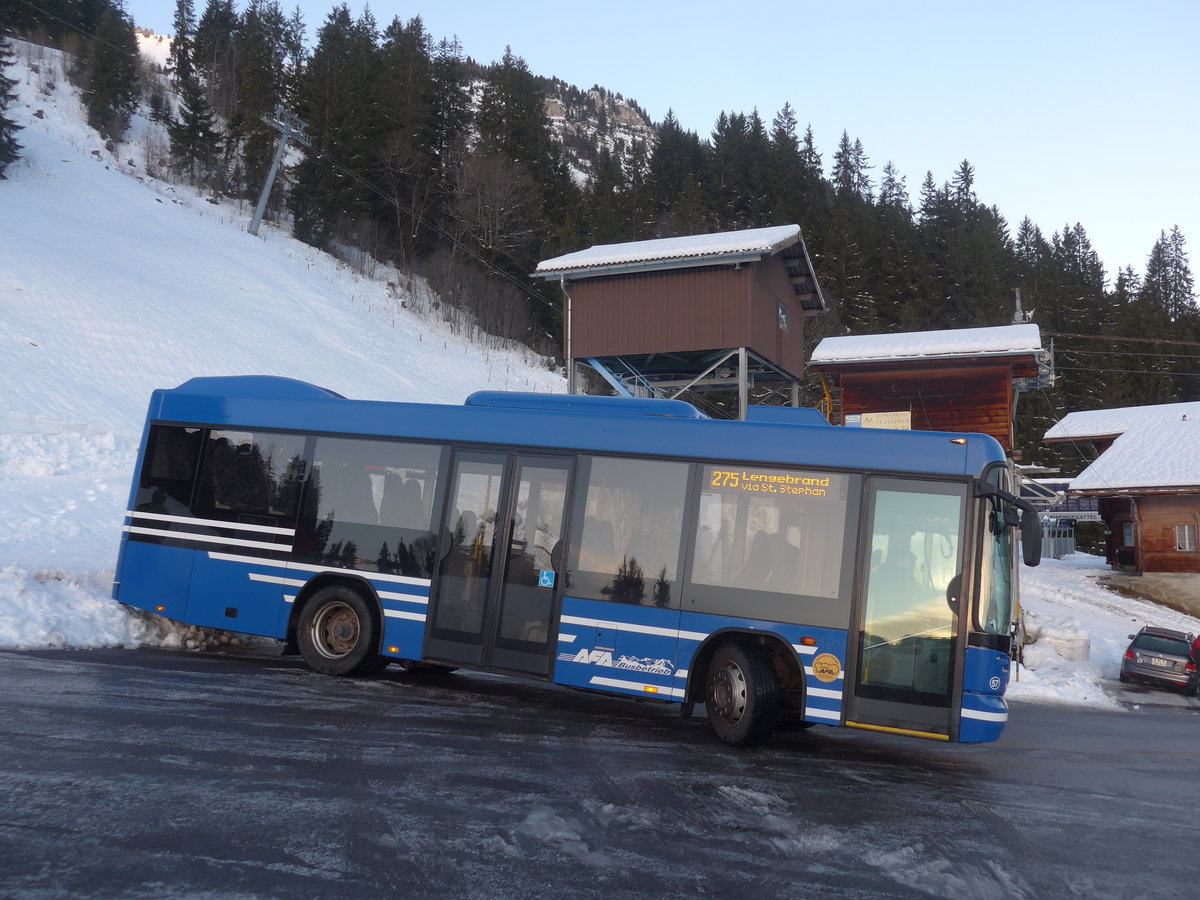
point(1069, 110)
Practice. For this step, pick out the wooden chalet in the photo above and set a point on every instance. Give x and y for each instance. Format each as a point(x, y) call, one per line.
point(1146, 481)
point(689, 313)
point(956, 380)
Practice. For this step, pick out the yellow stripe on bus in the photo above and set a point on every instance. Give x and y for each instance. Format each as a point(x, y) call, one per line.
point(910, 733)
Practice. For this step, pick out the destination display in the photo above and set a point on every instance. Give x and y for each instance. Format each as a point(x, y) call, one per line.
point(779, 482)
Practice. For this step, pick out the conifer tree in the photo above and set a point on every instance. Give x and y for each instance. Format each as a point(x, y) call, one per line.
point(785, 170)
point(195, 141)
point(261, 52)
point(893, 192)
point(755, 162)
point(676, 167)
point(10, 150)
point(1168, 285)
point(111, 91)
point(406, 166)
point(862, 165)
point(605, 196)
point(179, 59)
point(810, 157)
point(843, 174)
point(450, 119)
point(326, 197)
point(214, 55)
point(963, 185)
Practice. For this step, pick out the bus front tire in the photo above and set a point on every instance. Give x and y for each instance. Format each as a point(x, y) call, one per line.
point(741, 695)
point(337, 633)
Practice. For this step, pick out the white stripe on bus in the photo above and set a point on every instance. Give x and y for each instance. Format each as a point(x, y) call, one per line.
point(808, 671)
point(400, 614)
point(208, 539)
point(638, 686)
point(823, 692)
point(305, 567)
point(276, 579)
point(403, 598)
point(984, 716)
point(638, 629)
point(567, 638)
point(823, 713)
point(214, 523)
point(807, 651)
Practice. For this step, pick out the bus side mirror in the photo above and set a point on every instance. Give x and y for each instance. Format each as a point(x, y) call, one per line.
point(1031, 537)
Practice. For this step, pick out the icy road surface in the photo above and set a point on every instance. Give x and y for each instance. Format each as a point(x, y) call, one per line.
point(153, 773)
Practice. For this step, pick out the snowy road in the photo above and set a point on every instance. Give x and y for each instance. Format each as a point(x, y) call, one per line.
point(152, 773)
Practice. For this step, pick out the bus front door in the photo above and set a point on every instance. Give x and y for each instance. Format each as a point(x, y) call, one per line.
point(906, 618)
point(492, 603)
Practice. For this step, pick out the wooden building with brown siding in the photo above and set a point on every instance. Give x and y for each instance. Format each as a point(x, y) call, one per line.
point(686, 312)
point(956, 380)
point(1146, 481)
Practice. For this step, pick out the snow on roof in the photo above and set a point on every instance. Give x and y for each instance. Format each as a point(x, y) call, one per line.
point(1004, 340)
point(1165, 456)
point(752, 241)
point(1108, 422)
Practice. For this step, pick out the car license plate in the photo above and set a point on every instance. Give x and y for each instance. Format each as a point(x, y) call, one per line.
point(1162, 663)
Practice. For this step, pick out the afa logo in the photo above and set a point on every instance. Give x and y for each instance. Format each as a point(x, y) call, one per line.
point(595, 657)
point(604, 658)
point(827, 668)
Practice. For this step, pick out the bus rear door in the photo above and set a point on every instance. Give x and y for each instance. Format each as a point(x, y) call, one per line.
point(493, 598)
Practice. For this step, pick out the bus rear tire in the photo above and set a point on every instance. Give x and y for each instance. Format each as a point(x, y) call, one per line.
point(337, 633)
point(741, 695)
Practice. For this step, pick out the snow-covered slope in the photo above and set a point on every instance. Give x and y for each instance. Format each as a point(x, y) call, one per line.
point(113, 284)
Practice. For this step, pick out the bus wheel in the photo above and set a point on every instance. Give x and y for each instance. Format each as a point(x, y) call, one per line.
point(741, 696)
point(337, 633)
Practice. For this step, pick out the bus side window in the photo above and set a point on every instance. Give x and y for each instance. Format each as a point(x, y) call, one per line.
point(169, 470)
point(250, 476)
point(630, 526)
point(777, 530)
point(368, 506)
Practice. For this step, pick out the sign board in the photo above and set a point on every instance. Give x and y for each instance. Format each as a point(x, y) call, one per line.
point(901, 420)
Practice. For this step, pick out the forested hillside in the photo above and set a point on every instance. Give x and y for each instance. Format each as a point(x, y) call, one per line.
point(469, 174)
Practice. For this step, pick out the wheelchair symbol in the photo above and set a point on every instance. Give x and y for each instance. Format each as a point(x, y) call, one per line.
point(546, 578)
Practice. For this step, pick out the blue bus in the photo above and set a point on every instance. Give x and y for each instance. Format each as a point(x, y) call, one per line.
point(774, 570)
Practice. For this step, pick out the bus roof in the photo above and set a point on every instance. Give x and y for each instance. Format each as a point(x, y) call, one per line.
point(669, 428)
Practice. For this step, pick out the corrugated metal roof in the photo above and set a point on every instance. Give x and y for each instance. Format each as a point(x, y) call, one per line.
point(717, 247)
point(1005, 340)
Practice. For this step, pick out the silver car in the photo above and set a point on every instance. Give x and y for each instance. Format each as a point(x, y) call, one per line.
point(1161, 656)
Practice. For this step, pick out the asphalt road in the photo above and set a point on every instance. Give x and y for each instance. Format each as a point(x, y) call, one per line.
point(145, 773)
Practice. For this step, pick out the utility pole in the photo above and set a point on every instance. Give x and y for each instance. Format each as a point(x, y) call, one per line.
point(288, 126)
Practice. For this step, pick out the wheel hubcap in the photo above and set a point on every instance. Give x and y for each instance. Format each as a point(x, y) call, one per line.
point(729, 693)
point(335, 630)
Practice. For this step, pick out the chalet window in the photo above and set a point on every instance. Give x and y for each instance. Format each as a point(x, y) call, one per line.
point(1185, 538)
point(783, 318)
point(1127, 533)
